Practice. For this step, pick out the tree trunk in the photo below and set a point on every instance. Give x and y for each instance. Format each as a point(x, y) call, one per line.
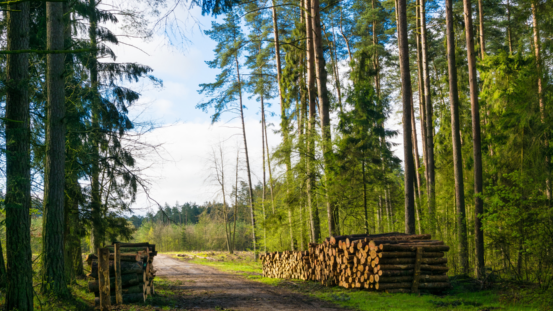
point(456, 137)
point(324, 104)
point(284, 124)
point(247, 161)
point(313, 210)
point(509, 35)
point(96, 205)
point(389, 210)
point(416, 151)
point(264, 178)
point(235, 201)
point(343, 35)
point(73, 253)
point(376, 62)
point(19, 294)
point(220, 171)
point(268, 157)
point(302, 145)
point(481, 26)
point(406, 98)
point(2, 269)
point(477, 151)
point(430, 182)
point(421, 93)
point(422, 106)
point(53, 267)
point(365, 200)
point(537, 52)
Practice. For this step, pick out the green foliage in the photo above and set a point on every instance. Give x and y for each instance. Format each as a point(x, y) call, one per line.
point(226, 90)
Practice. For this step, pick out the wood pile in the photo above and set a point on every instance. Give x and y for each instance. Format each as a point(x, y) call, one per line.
point(392, 262)
point(287, 265)
point(136, 271)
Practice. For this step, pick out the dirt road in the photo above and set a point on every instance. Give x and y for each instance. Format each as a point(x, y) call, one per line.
point(205, 288)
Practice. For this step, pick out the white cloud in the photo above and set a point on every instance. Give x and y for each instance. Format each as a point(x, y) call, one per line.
point(181, 173)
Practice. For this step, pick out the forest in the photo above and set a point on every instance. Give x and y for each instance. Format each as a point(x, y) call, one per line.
point(469, 81)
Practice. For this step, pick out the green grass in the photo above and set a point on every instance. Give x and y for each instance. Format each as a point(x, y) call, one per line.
point(463, 296)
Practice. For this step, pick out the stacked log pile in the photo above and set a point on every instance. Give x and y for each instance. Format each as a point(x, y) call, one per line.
point(137, 272)
point(287, 265)
point(392, 262)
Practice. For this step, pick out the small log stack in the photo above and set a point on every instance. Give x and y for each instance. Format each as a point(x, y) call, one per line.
point(392, 262)
point(136, 271)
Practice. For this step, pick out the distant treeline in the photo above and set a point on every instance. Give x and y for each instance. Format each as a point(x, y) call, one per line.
point(187, 213)
point(190, 227)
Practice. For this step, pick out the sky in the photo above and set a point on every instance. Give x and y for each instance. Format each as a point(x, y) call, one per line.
point(180, 171)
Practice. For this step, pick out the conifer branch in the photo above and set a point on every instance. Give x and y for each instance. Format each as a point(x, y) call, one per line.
point(45, 51)
point(21, 1)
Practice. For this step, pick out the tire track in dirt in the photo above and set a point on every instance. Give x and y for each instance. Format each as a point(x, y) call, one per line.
point(206, 288)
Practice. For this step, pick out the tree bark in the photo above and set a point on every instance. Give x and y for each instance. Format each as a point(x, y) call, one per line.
point(53, 276)
point(389, 210)
point(2, 269)
point(481, 28)
point(250, 186)
point(235, 201)
point(284, 124)
point(537, 52)
point(477, 149)
point(220, 175)
point(422, 105)
point(72, 248)
point(324, 104)
point(416, 151)
point(268, 157)
point(19, 293)
point(456, 136)
point(365, 200)
point(509, 35)
point(302, 143)
point(406, 99)
point(264, 178)
point(376, 62)
point(313, 210)
point(344, 36)
point(430, 182)
point(96, 205)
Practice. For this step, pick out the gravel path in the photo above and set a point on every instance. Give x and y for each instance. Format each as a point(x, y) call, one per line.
point(206, 288)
